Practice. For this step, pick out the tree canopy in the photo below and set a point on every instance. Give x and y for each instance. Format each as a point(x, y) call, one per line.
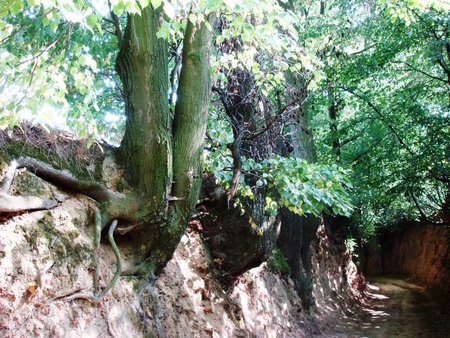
point(383, 110)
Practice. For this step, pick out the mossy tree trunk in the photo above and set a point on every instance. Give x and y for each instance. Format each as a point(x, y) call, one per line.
point(298, 232)
point(161, 153)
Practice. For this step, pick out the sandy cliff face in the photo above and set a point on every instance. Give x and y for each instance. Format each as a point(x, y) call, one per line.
point(47, 256)
point(418, 250)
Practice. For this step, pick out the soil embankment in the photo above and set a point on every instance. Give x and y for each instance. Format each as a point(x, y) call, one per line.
point(419, 251)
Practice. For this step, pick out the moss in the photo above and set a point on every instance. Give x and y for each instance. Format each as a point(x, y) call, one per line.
point(3, 156)
point(277, 262)
point(77, 222)
point(28, 184)
point(53, 149)
point(61, 246)
point(122, 184)
point(72, 235)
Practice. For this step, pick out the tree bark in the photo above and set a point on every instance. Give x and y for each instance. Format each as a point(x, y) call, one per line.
point(298, 232)
point(146, 147)
point(162, 160)
point(189, 129)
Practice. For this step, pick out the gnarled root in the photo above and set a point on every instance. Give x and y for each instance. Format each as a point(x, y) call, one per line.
point(22, 203)
point(99, 297)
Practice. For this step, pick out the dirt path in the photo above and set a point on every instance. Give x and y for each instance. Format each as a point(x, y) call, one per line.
point(397, 308)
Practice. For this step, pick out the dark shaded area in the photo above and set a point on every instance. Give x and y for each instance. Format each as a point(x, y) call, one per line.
point(294, 240)
point(237, 242)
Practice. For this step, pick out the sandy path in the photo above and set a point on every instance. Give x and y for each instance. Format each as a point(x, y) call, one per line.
point(397, 308)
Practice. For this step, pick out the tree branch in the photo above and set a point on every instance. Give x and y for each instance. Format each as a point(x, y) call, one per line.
point(46, 49)
point(383, 119)
point(426, 74)
point(278, 114)
point(24, 26)
point(116, 22)
point(422, 214)
point(445, 69)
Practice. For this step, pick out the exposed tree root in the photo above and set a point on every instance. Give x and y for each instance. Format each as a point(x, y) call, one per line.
point(115, 205)
point(98, 298)
point(9, 176)
point(91, 189)
point(20, 203)
point(97, 235)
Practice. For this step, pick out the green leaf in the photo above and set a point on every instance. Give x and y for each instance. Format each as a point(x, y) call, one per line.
point(54, 26)
point(164, 31)
point(119, 8)
point(92, 20)
point(169, 10)
point(144, 3)
point(239, 21)
point(16, 7)
point(82, 60)
point(193, 18)
point(220, 39)
point(156, 3)
point(214, 5)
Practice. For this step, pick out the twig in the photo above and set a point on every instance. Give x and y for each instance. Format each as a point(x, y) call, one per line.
point(46, 49)
point(116, 22)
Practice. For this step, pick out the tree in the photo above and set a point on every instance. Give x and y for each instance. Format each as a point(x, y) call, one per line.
point(264, 122)
point(392, 141)
point(160, 153)
point(162, 145)
point(297, 232)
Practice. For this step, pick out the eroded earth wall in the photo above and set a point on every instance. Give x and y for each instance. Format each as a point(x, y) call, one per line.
point(416, 250)
point(47, 256)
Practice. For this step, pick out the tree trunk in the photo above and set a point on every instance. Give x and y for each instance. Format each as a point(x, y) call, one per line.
point(162, 161)
point(189, 129)
point(238, 241)
point(333, 115)
point(297, 232)
point(146, 146)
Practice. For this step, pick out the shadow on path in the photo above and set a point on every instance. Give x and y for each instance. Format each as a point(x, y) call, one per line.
point(397, 308)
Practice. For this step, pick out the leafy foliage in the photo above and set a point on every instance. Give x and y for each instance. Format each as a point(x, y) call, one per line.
point(66, 40)
point(299, 186)
point(302, 187)
point(385, 95)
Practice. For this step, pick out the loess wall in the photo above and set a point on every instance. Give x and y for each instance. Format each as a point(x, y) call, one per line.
point(417, 250)
point(46, 256)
